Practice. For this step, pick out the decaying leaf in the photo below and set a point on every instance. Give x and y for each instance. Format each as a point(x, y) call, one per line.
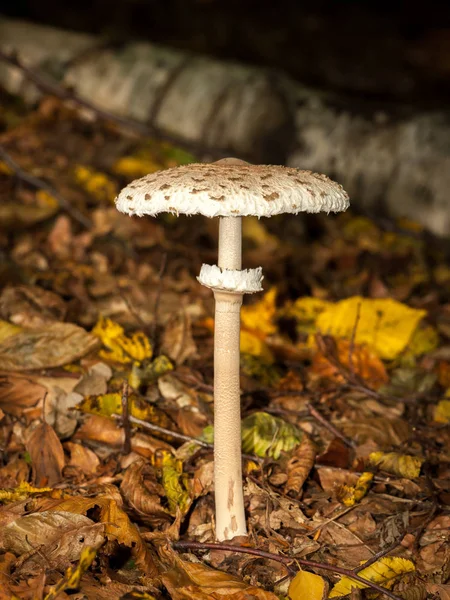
point(350, 495)
point(144, 494)
point(19, 392)
point(266, 435)
point(383, 572)
point(174, 481)
point(402, 465)
point(54, 345)
point(441, 411)
point(308, 586)
point(194, 581)
point(46, 454)
point(299, 465)
point(21, 492)
point(31, 306)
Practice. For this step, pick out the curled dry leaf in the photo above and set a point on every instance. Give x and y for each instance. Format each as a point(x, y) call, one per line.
point(299, 465)
point(46, 454)
point(54, 345)
point(143, 493)
point(194, 581)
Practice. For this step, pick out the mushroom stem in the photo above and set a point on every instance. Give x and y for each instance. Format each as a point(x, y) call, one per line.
point(229, 497)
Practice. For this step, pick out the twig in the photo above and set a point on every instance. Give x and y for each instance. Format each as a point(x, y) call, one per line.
point(380, 554)
point(178, 436)
point(321, 419)
point(40, 184)
point(149, 129)
point(126, 419)
point(286, 560)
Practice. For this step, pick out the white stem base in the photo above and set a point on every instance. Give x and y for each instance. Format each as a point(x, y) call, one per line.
point(229, 497)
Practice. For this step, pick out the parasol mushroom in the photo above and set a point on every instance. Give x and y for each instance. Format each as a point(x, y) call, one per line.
point(230, 189)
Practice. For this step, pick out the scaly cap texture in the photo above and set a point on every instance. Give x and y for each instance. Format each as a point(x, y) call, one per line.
point(232, 188)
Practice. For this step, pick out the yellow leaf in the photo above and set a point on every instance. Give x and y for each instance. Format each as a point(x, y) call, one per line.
point(382, 572)
point(308, 586)
point(21, 492)
point(266, 435)
point(385, 325)
point(72, 578)
point(5, 169)
point(7, 330)
point(108, 404)
point(442, 411)
point(251, 343)
point(260, 317)
point(402, 465)
point(135, 166)
point(97, 184)
point(423, 340)
point(174, 481)
point(121, 348)
point(350, 495)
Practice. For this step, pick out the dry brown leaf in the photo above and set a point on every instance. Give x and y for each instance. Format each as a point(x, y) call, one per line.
point(177, 341)
point(195, 581)
point(26, 533)
point(13, 473)
point(31, 306)
point(100, 429)
point(46, 454)
point(18, 392)
point(83, 458)
point(143, 493)
point(53, 346)
point(299, 465)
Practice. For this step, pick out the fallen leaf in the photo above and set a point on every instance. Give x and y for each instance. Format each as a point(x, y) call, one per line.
point(266, 435)
point(55, 345)
point(356, 360)
point(381, 572)
point(18, 392)
point(83, 458)
point(308, 586)
point(350, 495)
point(31, 306)
point(441, 411)
point(73, 575)
point(177, 341)
point(299, 465)
point(402, 465)
point(259, 317)
point(46, 454)
point(384, 325)
point(121, 348)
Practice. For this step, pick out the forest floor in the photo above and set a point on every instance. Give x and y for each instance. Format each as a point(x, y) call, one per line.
point(106, 405)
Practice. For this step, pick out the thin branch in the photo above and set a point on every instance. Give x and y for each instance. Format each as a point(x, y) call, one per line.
point(286, 560)
point(331, 428)
point(126, 419)
point(178, 436)
point(40, 184)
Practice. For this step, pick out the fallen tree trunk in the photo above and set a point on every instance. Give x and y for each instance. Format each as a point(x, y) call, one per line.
point(389, 160)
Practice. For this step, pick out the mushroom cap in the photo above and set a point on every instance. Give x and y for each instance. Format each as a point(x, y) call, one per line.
point(232, 188)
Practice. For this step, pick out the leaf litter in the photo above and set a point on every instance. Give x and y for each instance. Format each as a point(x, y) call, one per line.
point(345, 363)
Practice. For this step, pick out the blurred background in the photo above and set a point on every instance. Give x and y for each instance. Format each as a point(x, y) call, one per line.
point(390, 51)
point(357, 90)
